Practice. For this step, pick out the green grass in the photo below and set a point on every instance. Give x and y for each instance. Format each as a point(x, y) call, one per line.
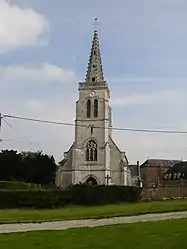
point(69, 213)
point(170, 234)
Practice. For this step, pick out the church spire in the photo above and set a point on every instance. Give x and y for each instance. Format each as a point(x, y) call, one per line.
point(95, 71)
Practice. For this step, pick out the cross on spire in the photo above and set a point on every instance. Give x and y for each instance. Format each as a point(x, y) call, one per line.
point(96, 23)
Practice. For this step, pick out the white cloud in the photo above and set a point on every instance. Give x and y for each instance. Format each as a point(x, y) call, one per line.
point(50, 138)
point(37, 97)
point(31, 74)
point(141, 79)
point(20, 27)
point(152, 98)
point(34, 105)
point(140, 146)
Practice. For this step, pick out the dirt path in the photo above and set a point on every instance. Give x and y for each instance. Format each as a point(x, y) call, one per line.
point(61, 225)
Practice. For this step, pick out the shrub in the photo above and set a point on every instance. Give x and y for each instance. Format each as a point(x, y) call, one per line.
point(76, 195)
point(102, 194)
point(34, 199)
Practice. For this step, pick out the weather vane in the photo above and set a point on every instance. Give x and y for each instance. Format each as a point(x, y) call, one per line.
point(96, 23)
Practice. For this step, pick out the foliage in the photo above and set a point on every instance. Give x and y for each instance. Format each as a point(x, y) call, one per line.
point(13, 185)
point(83, 194)
point(33, 199)
point(76, 195)
point(32, 167)
point(159, 234)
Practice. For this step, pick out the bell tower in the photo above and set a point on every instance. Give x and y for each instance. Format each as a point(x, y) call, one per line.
point(91, 155)
point(94, 157)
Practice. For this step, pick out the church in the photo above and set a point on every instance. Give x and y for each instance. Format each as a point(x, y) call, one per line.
point(94, 157)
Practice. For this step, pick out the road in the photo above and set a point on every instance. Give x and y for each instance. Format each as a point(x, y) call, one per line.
point(62, 225)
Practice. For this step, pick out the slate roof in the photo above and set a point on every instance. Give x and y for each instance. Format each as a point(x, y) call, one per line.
point(160, 163)
point(178, 168)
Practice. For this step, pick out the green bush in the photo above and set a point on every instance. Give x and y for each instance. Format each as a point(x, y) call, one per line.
point(76, 195)
point(34, 199)
point(97, 195)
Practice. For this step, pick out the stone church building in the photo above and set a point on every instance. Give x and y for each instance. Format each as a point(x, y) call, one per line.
point(94, 157)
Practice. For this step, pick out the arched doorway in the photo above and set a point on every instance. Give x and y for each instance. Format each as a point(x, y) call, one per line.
point(91, 181)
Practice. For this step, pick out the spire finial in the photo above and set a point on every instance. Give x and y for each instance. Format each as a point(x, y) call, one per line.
point(96, 23)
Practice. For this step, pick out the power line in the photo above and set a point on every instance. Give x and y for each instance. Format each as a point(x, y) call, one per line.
point(1, 118)
point(98, 127)
point(11, 140)
point(25, 138)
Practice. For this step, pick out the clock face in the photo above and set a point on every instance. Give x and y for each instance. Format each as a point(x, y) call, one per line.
point(92, 94)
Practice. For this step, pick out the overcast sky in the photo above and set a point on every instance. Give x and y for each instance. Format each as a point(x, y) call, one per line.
point(44, 51)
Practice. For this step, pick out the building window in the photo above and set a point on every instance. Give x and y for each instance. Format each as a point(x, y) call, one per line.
point(88, 108)
point(93, 79)
point(87, 154)
point(91, 151)
point(174, 176)
point(95, 108)
point(91, 129)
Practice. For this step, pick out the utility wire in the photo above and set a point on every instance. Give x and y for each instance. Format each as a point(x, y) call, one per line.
point(12, 140)
point(99, 127)
point(25, 138)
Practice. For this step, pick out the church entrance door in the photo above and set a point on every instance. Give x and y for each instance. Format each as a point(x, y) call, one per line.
point(91, 181)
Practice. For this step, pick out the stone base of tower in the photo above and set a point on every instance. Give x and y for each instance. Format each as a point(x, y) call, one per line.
point(117, 173)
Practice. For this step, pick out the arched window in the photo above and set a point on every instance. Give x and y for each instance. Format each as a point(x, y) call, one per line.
point(95, 108)
point(87, 154)
point(88, 108)
point(91, 151)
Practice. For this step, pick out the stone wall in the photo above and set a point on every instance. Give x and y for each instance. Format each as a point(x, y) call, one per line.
point(161, 192)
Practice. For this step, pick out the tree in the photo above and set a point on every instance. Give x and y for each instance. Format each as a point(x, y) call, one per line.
point(39, 168)
point(10, 165)
point(27, 166)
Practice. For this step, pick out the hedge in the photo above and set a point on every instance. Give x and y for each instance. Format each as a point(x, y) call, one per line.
point(102, 194)
point(76, 195)
point(34, 199)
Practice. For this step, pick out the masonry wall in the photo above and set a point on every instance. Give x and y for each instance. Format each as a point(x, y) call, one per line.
point(164, 191)
point(152, 175)
point(115, 165)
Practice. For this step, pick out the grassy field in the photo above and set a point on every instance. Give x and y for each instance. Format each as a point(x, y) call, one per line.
point(170, 234)
point(29, 215)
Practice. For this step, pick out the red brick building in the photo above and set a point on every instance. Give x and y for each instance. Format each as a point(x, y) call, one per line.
point(152, 170)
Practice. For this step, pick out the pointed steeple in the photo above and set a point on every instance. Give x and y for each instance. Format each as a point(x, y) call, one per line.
point(95, 70)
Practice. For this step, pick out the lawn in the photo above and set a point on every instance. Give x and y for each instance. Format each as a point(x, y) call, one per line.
point(69, 213)
point(170, 234)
